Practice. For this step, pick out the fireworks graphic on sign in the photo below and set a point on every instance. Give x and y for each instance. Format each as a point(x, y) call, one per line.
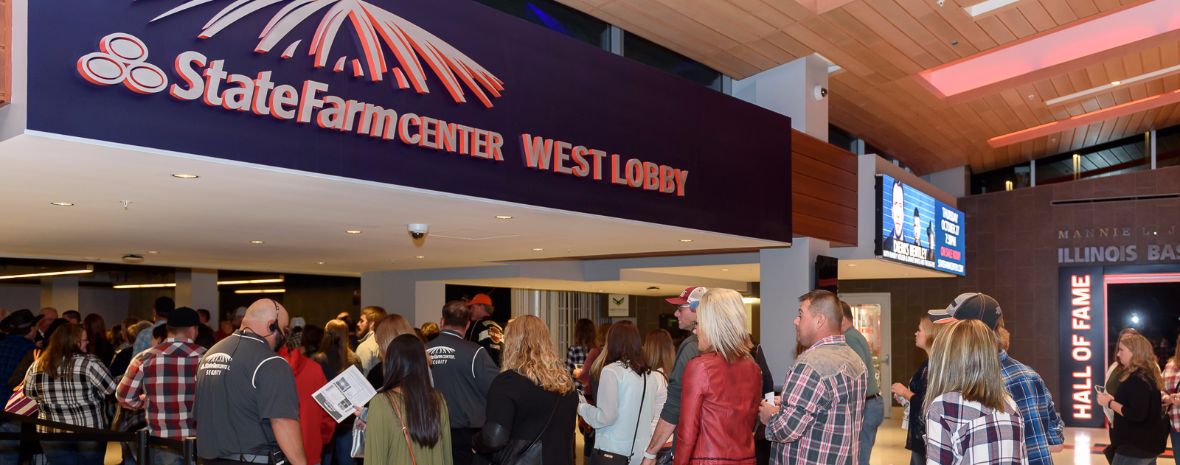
point(379, 32)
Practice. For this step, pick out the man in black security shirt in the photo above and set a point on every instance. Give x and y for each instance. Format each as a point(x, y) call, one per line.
point(483, 329)
point(463, 373)
point(246, 406)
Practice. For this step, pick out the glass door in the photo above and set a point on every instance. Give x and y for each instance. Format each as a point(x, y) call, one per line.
point(870, 313)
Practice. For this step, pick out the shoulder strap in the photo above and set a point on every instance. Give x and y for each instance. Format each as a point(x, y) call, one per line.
point(638, 416)
point(405, 432)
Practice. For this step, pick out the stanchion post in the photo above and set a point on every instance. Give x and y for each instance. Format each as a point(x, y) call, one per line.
point(141, 445)
point(189, 450)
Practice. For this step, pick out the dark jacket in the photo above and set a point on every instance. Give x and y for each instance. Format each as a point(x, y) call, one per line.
point(1141, 431)
point(518, 411)
point(486, 332)
point(718, 409)
point(463, 372)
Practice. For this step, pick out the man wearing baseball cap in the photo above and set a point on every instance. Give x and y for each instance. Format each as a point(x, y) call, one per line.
point(1044, 430)
point(483, 330)
point(686, 318)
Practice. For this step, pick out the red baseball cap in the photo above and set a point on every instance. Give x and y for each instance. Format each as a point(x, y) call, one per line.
point(480, 299)
point(691, 297)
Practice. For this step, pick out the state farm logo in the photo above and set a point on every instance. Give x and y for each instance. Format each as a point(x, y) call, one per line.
point(122, 58)
point(389, 44)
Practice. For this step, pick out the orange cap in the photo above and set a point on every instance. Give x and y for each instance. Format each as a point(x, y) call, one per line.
point(480, 299)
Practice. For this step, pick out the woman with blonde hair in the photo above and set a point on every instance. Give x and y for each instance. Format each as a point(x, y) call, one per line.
point(1140, 430)
point(532, 404)
point(970, 418)
point(1172, 391)
point(70, 386)
point(915, 393)
point(385, 331)
point(722, 387)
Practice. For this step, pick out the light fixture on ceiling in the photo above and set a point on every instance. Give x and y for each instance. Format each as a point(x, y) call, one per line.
point(62, 204)
point(538, 249)
point(420, 257)
point(184, 176)
point(988, 6)
point(653, 288)
point(1032, 96)
point(319, 263)
point(353, 231)
point(143, 286)
point(851, 265)
point(725, 269)
point(250, 281)
point(1085, 119)
point(260, 291)
point(257, 242)
point(1159, 73)
point(686, 240)
point(153, 252)
point(88, 269)
point(503, 217)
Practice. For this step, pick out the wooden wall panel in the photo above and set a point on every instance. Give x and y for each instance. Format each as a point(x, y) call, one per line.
point(5, 52)
point(823, 190)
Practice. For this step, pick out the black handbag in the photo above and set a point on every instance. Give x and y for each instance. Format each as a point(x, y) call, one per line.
point(521, 452)
point(601, 457)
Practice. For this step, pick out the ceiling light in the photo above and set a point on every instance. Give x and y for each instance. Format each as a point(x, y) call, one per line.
point(353, 231)
point(1115, 83)
point(143, 286)
point(1159, 73)
point(725, 269)
point(184, 176)
point(250, 281)
point(153, 252)
point(319, 263)
point(538, 249)
point(686, 240)
point(851, 264)
point(420, 257)
point(1085, 119)
point(62, 204)
point(503, 217)
point(257, 242)
point(88, 269)
point(260, 291)
point(985, 7)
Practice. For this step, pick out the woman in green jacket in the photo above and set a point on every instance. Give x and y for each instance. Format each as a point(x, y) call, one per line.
point(407, 423)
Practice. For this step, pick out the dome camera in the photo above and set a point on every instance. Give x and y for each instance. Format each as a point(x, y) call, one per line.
point(418, 230)
point(820, 92)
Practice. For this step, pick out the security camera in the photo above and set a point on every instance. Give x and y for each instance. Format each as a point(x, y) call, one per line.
point(941, 3)
point(418, 230)
point(819, 92)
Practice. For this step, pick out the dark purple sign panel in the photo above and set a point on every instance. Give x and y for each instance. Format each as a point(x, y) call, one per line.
point(446, 95)
point(1082, 320)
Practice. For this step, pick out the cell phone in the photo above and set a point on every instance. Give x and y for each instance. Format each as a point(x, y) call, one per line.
point(1099, 389)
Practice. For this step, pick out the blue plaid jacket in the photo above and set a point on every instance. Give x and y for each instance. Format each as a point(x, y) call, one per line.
point(1042, 425)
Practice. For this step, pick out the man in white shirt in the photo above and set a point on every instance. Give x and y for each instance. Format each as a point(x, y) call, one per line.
point(367, 350)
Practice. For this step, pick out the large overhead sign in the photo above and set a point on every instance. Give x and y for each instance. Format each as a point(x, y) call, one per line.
point(446, 95)
point(915, 228)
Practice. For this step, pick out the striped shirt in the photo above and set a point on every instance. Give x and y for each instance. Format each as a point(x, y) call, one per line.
point(960, 431)
point(1172, 387)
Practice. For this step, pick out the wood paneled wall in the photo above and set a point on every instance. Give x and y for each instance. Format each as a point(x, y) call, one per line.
point(5, 52)
point(823, 190)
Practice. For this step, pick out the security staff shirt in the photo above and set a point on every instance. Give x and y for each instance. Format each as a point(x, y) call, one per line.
point(241, 385)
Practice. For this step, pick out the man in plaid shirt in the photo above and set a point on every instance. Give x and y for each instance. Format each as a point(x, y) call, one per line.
point(1044, 432)
point(162, 381)
point(823, 398)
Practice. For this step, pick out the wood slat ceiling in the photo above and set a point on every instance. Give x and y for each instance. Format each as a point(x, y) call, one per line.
point(883, 44)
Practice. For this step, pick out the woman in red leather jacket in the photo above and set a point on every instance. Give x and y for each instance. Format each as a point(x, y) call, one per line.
point(722, 386)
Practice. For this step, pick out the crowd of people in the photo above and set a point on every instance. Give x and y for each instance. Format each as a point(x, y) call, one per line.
point(465, 390)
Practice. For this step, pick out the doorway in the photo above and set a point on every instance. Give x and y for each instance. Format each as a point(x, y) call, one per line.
point(869, 310)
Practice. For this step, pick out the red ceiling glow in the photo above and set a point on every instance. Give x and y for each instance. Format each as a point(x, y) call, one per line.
point(1134, 106)
point(1085, 38)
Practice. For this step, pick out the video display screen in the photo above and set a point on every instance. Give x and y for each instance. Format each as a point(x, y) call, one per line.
point(917, 229)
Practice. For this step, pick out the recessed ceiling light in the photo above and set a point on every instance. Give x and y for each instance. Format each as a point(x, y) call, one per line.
point(686, 240)
point(503, 217)
point(538, 249)
point(725, 269)
point(420, 257)
point(257, 242)
point(954, 42)
point(1115, 83)
point(600, 290)
point(1032, 96)
point(987, 6)
point(184, 176)
point(319, 263)
point(353, 231)
point(851, 264)
point(62, 204)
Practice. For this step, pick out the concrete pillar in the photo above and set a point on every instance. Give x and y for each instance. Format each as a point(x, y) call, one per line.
point(786, 274)
point(60, 292)
point(790, 89)
point(400, 292)
point(198, 289)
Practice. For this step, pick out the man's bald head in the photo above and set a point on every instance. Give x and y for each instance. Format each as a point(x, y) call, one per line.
point(262, 312)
